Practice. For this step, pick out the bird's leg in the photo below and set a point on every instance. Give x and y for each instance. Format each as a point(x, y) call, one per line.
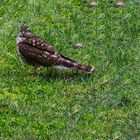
point(35, 70)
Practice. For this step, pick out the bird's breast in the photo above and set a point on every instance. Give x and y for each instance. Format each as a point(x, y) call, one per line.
point(19, 39)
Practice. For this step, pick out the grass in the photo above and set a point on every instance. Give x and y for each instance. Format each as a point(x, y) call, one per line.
point(64, 104)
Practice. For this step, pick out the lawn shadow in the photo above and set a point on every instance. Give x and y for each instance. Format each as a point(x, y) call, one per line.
point(54, 74)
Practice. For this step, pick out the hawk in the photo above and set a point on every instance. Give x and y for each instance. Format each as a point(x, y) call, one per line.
point(37, 52)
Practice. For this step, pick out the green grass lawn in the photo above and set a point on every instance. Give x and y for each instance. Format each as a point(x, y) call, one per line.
point(66, 104)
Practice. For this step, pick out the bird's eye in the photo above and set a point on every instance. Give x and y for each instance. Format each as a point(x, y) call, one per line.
point(28, 28)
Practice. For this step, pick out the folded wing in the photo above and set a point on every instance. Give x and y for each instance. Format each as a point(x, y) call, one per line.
point(40, 44)
point(34, 55)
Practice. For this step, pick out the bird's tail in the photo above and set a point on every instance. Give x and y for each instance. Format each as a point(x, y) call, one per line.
point(70, 64)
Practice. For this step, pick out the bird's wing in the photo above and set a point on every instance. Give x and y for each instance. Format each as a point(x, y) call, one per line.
point(41, 44)
point(38, 56)
point(66, 58)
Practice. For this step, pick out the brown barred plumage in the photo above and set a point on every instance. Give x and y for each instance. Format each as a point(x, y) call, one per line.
point(36, 51)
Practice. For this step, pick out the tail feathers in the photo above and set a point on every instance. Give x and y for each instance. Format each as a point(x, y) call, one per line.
point(70, 64)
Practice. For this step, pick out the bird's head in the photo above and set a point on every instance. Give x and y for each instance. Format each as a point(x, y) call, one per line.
point(25, 31)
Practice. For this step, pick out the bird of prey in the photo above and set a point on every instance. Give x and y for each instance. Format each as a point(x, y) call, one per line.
point(37, 52)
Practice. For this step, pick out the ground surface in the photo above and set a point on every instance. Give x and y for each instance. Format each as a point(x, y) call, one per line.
point(57, 104)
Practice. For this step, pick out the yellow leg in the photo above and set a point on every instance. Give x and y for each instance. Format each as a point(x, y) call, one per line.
point(35, 70)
